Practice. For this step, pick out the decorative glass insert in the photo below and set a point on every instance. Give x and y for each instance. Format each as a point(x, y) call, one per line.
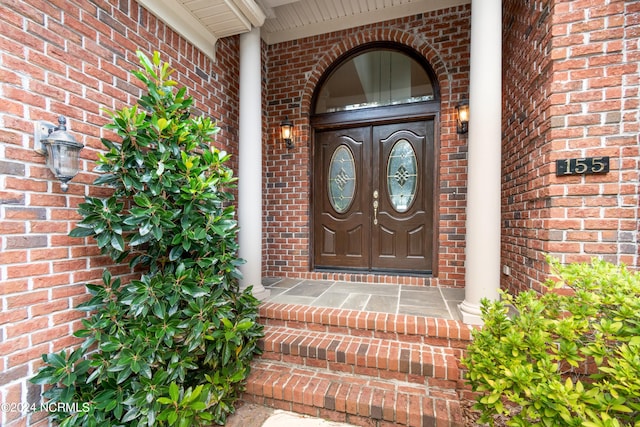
point(402, 175)
point(374, 78)
point(342, 179)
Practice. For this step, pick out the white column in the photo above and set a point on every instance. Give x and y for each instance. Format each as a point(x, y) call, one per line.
point(482, 268)
point(250, 164)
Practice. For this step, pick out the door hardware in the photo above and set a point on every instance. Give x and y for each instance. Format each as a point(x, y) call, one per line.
point(375, 212)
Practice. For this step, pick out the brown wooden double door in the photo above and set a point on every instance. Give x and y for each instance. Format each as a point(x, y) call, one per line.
point(373, 197)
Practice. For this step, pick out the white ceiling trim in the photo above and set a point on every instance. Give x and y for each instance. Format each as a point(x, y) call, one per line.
point(203, 22)
point(345, 22)
point(185, 24)
point(252, 11)
point(230, 17)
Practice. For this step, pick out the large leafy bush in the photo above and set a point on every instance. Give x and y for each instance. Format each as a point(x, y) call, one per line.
point(570, 357)
point(174, 346)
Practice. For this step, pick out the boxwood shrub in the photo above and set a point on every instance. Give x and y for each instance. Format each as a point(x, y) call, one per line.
point(568, 357)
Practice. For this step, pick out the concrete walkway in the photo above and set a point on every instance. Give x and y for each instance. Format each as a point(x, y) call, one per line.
point(250, 415)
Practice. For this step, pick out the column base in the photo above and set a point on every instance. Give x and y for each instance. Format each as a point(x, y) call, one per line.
point(261, 293)
point(470, 313)
point(257, 291)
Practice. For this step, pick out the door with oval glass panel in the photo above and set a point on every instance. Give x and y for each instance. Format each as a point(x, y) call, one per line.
point(373, 198)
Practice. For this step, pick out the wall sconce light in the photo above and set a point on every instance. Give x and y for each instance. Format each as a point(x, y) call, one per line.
point(462, 117)
point(60, 148)
point(286, 132)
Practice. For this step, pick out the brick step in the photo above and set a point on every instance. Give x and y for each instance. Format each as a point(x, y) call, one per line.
point(374, 357)
point(444, 333)
point(364, 368)
point(354, 399)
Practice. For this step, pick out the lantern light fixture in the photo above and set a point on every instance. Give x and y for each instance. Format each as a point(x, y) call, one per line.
point(60, 148)
point(462, 117)
point(286, 132)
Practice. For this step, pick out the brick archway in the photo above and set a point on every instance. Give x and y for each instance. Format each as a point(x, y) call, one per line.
point(295, 70)
point(398, 41)
point(389, 35)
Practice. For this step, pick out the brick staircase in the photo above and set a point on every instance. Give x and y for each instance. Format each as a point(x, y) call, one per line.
point(362, 368)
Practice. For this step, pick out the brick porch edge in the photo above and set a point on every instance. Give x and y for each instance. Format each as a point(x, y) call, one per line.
point(363, 368)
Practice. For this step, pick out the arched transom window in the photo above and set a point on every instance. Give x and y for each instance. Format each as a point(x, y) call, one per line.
point(374, 78)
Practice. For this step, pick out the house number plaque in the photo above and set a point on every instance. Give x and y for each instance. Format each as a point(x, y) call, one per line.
point(582, 166)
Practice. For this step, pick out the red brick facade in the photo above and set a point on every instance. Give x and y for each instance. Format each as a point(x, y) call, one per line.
point(72, 59)
point(527, 75)
point(571, 82)
point(571, 87)
point(293, 72)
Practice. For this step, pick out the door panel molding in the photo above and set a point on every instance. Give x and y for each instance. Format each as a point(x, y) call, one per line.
point(349, 229)
point(372, 233)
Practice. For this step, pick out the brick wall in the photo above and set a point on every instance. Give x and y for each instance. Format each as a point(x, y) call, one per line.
point(571, 91)
point(527, 74)
point(72, 58)
point(293, 71)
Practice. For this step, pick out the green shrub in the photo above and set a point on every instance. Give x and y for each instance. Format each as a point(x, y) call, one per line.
point(570, 357)
point(174, 346)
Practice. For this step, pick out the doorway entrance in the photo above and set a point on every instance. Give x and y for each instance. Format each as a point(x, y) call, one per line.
point(375, 127)
point(374, 197)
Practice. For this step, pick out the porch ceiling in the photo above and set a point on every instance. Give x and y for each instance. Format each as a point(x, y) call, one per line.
point(293, 19)
point(204, 21)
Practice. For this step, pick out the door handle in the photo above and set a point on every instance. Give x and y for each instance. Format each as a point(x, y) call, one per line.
point(375, 207)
